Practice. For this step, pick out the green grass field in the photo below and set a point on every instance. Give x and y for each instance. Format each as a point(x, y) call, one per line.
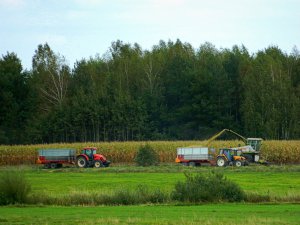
point(275, 181)
point(282, 183)
point(247, 214)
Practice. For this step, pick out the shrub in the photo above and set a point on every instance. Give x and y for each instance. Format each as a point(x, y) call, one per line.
point(146, 156)
point(14, 188)
point(207, 188)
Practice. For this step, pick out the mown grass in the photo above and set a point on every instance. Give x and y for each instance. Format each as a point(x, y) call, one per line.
point(247, 214)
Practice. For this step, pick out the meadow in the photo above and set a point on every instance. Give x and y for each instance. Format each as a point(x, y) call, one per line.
point(262, 180)
point(280, 183)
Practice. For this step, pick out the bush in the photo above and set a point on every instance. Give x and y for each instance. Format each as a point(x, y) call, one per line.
point(146, 156)
point(207, 188)
point(14, 188)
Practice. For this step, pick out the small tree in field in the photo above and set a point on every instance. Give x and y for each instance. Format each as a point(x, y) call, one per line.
point(146, 156)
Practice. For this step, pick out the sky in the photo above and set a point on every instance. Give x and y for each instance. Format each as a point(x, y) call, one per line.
point(78, 29)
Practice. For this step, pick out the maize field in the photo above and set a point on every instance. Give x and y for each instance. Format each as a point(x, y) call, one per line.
point(124, 152)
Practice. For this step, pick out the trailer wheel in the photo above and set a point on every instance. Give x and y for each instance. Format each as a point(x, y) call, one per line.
point(238, 163)
point(53, 165)
point(220, 162)
point(98, 164)
point(81, 162)
point(47, 166)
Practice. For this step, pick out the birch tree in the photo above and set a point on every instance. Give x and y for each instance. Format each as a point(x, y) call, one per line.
point(52, 76)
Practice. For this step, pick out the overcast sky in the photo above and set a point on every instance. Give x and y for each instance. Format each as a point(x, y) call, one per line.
point(82, 28)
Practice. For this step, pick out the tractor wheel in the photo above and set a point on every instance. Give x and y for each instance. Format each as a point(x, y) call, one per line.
point(238, 163)
point(98, 164)
point(221, 162)
point(81, 162)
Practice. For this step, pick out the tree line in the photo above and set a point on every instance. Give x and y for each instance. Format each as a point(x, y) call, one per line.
point(171, 92)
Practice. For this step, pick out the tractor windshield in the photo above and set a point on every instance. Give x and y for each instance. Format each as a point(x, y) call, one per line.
point(88, 151)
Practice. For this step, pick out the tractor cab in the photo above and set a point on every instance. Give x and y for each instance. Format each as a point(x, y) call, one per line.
point(89, 152)
point(229, 156)
point(255, 143)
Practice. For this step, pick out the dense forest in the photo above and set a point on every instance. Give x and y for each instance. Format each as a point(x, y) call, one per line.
point(170, 92)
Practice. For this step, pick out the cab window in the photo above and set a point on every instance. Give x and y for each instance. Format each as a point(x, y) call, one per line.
point(88, 152)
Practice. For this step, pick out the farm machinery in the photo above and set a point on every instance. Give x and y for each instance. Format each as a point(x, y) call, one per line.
point(231, 157)
point(55, 158)
point(250, 151)
point(194, 156)
point(236, 156)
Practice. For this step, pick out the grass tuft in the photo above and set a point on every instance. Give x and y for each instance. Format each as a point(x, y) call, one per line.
point(14, 188)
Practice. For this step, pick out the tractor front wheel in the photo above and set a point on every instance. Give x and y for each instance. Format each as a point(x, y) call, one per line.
point(98, 164)
point(238, 163)
point(221, 162)
point(81, 162)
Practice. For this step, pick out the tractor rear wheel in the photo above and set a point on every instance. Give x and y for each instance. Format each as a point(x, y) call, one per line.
point(98, 164)
point(238, 163)
point(81, 162)
point(221, 162)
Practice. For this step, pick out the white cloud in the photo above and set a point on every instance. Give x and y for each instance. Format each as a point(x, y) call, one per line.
point(13, 4)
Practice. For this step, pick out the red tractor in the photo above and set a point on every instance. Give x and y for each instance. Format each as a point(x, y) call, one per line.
point(89, 158)
point(55, 158)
